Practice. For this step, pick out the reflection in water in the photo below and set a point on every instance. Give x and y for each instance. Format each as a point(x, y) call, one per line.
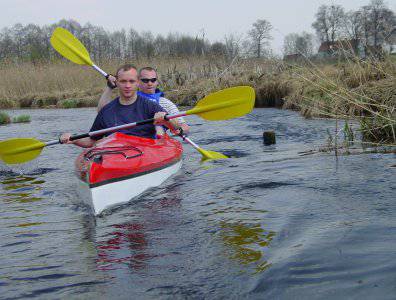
point(21, 188)
point(18, 193)
point(130, 237)
point(245, 243)
point(128, 243)
point(29, 224)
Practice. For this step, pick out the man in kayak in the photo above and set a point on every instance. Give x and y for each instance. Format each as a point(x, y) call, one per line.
point(148, 85)
point(129, 107)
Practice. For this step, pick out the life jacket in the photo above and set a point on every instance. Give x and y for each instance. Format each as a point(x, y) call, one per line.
point(156, 96)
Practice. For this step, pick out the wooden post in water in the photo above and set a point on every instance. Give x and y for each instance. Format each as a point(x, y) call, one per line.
point(269, 137)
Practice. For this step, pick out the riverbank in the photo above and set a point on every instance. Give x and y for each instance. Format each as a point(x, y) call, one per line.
point(362, 90)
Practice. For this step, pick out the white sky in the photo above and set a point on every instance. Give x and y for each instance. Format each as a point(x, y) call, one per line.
point(216, 17)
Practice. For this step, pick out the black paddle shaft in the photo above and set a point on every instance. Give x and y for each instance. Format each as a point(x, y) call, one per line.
point(103, 131)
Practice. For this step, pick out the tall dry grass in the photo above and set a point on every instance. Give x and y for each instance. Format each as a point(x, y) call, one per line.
point(184, 81)
point(349, 88)
point(29, 85)
point(360, 89)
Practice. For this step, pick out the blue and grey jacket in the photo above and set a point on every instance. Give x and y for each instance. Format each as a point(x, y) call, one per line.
point(156, 96)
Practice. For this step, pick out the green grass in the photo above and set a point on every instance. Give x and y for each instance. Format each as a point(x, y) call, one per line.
point(72, 103)
point(21, 119)
point(4, 118)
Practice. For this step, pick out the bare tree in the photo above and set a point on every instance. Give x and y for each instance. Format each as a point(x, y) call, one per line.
point(147, 44)
point(289, 44)
point(132, 48)
point(298, 44)
point(87, 36)
point(375, 22)
point(321, 24)
point(260, 35)
point(329, 22)
point(6, 44)
point(382, 21)
point(18, 35)
point(353, 26)
point(118, 42)
point(34, 43)
point(218, 49)
point(161, 46)
point(233, 45)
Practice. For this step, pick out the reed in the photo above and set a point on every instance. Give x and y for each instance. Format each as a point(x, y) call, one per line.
point(363, 90)
point(4, 118)
point(21, 119)
point(61, 83)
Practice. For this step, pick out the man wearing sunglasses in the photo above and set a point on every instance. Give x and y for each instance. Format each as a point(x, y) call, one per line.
point(149, 88)
point(148, 85)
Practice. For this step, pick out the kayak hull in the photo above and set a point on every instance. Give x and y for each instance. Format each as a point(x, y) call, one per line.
point(121, 167)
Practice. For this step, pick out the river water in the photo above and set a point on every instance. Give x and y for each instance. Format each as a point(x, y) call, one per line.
point(271, 222)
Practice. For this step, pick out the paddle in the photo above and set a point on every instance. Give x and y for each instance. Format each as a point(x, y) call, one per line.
point(206, 154)
point(71, 48)
point(222, 105)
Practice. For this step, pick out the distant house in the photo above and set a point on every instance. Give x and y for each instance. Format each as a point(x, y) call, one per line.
point(341, 48)
point(297, 57)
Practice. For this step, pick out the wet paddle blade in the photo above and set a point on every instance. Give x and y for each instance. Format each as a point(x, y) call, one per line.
point(20, 150)
point(70, 47)
point(225, 104)
point(207, 154)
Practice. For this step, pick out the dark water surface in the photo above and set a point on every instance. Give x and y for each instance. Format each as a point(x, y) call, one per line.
point(269, 223)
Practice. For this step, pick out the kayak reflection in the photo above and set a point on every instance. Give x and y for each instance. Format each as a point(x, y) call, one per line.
point(125, 236)
point(131, 243)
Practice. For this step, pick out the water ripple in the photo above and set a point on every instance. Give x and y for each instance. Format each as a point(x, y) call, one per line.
point(271, 222)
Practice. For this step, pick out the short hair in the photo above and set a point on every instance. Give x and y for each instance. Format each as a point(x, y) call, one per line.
point(125, 68)
point(146, 69)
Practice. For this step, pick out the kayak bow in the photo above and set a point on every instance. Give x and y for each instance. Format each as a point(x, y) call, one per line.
point(121, 167)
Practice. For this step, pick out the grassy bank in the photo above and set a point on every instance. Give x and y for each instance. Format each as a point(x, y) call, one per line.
point(360, 90)
point(363, 90)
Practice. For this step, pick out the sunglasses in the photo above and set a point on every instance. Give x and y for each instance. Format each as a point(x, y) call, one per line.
point(146, 80)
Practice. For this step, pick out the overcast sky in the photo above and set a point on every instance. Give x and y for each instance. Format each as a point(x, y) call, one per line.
point(215, 18)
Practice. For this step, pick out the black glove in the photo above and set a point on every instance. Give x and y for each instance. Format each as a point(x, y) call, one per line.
point(109, 83)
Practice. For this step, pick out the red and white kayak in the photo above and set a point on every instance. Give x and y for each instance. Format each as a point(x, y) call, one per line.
point(120, 167)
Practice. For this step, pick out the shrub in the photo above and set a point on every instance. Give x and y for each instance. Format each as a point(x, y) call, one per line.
point(21, 119)
point(4, 118)
point(70, 103)
point(7, 103)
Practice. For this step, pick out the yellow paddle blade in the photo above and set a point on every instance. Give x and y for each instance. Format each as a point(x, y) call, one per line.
point(70, 47)
point(17, 151)
point(225, 104)
point(207, 154)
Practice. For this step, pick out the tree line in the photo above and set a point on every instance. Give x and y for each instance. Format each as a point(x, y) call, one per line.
point(372, 24)
point(31, 43)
